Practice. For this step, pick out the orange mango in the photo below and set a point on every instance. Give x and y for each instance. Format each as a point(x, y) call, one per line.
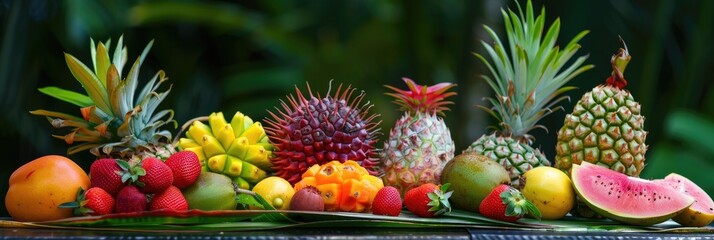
point(37, 188)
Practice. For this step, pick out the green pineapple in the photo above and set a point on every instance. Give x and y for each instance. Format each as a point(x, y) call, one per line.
point(115, 121)
point(605, 127)
point(528, 74)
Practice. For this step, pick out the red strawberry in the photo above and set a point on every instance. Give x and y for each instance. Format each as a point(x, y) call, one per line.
point(130, 199)
point(157, 176)
point(171, 199)
point(107, 174)
point(94, 201)
point(387, 201)
point(428, 200)
point(186, 168)
point(507, 204)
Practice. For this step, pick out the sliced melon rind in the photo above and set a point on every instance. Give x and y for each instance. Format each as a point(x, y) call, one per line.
point(626, 199)
point(701, 213)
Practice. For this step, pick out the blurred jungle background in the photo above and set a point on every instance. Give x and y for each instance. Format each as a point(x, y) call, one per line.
point(245, 55)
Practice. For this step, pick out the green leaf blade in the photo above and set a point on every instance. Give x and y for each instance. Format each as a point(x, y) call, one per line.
point(72, 97)
point(90, 83)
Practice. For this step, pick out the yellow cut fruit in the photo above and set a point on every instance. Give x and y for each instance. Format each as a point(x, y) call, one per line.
point(276, 191)
point(550, 190)
point(343, 186)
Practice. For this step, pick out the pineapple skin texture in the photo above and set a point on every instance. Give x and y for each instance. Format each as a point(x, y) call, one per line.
point(516, 157)
point(418, 148)
point(606, 129)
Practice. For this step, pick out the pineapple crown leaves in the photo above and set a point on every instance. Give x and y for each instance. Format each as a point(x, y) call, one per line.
point(439, 200)
point(79, 204)
point(424, 99)
point(518, 205)
point(529, 77)
point(114, 118)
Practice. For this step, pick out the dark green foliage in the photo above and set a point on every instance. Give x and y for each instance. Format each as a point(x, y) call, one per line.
point(245, 55)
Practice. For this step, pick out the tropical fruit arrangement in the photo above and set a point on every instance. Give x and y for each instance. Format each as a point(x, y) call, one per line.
point(319, 152)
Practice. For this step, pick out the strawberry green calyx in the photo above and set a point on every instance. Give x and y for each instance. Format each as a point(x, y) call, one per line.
point(517, 205)
point(131, 173)
point(440, 200)
point(78, 205)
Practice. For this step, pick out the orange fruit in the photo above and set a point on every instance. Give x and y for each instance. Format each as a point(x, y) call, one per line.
point(37, 188)
point(310, 172)
point(344, 186)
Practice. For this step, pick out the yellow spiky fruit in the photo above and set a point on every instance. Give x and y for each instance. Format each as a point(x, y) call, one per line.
point(238, 149)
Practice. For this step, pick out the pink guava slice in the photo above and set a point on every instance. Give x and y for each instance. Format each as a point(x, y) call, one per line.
point(627, 199)
point(701, 213)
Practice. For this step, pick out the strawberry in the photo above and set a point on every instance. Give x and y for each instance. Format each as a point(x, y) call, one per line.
point(171, 199)
point(130, 199)
point(108, 174)
point(387, 201)
point(157, 176)
point(507, 204)
point(94, 201)
point(428, 200)
point(186, 168)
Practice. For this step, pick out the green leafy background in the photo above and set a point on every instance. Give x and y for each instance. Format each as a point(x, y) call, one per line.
point(245, 55)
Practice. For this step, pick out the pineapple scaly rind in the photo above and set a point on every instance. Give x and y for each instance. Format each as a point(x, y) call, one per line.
point(420, 143)
point(527, 76)
point(606, 127)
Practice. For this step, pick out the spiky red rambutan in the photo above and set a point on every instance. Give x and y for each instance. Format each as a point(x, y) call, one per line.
point(317, 130)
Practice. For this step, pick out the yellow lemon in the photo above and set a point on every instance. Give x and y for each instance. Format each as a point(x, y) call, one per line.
point(550, 190)
point(276, 191)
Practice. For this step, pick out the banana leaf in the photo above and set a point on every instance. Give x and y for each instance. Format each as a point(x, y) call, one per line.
point(251, 220)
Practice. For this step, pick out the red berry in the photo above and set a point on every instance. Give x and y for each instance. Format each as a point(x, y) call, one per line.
point(185, 167)
point(387, 201)
point(171, 199)
point(106, 174)
point(420, 202)
point(99, 201)
point(130, 199)
point(95, 201)
point(496, 205)
point(158, 176)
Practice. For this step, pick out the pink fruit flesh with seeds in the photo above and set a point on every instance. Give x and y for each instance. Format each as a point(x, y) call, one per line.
point(701, 213)
point(627, 199)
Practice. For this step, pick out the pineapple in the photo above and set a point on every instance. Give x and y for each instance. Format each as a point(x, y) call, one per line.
point(115, 121)
point(527, 81)
point(606, 127)
point(420, 144)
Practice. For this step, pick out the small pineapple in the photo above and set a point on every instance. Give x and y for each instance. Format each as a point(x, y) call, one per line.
point(115, 121)
point(527, 81)
point(605, 127)
point(420, 144)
